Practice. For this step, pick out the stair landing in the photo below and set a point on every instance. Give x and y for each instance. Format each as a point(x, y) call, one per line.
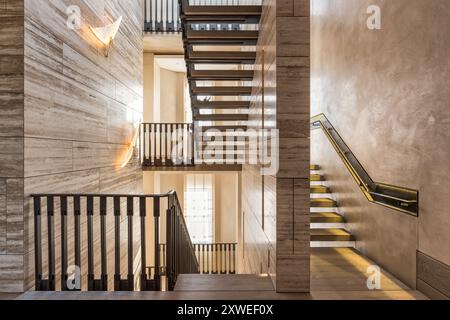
point(223, 282)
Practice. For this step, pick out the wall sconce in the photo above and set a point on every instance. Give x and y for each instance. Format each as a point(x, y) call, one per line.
point(132, 147)
point(107, 34)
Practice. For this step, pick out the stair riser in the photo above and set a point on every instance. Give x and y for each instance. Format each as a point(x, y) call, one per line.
point(333, 244)
point(327, 225)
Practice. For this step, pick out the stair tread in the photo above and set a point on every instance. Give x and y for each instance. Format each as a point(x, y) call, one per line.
point(223, 128)
point(326, 217)
point(314, 167)
point(323, 202)
point(213, 37)
point(221, 75)
point(316, 177)
point(331, 235)
point(330, 231)
point(221, 104)
point(239, 10)
point(320, 189)
point(219, 55)
point(223, 90)
point(221, 117)
point(220, 34)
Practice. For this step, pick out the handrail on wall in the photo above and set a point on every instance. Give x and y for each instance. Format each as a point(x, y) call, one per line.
point(394, 197)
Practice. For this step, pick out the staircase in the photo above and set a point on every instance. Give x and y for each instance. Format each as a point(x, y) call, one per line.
point(220, 70)
point(328, 225)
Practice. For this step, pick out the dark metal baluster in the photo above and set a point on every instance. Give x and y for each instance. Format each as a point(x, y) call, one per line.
point(130, 212)
point(221, 258)
point(192, 135)
point(155, 136)
point(51, 243)
point(170, 238)
point(103, 213)
point(182, 144)
point(208, 250)
point(156, 215)
point(143, 214)
point(160, 130)
point(37, 243)
point(117, 275)
point(171, 144)
point(90, 235)
point(166, 158)
point(150, 150)
point(77, 234)
point(143, 144)
point(64, 277)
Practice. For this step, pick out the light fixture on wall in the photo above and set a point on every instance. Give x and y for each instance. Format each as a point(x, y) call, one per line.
point(107, 34)
point(133, 144)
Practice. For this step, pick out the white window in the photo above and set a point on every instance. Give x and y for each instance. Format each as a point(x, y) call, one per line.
point(199, 207)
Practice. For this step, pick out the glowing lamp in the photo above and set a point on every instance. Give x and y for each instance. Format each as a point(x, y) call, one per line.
point(107, 34)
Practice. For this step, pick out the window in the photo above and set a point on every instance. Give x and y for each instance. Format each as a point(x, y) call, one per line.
point(199, 207)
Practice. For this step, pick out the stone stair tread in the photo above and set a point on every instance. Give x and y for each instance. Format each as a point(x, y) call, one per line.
point(330, 235)
point(326, 217)
point(323, 203)
point(320, 189)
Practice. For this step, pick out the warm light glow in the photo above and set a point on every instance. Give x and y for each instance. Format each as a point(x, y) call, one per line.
point(107, 34)
point(131, 148)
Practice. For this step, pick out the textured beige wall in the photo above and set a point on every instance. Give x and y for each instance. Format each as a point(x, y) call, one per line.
point(78, 116)
point(226, 207)
point(11, 143)
point(386, 92)
point(171, 96)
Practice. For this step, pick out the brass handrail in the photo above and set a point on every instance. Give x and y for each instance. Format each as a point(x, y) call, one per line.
point(394, 197)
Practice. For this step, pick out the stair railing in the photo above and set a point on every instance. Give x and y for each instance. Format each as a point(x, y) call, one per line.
point(167, 144)
point(162, 16)
point(216, 258)
point(394, 197)
point(180, 252)
point(96, 225)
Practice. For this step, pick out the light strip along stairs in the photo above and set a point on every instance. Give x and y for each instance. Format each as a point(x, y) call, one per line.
point(327, 225)
point(211, 56)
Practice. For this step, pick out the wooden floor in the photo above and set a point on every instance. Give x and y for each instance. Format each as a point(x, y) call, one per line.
point(336, 274)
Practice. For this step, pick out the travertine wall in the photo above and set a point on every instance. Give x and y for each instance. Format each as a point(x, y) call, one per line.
point(386, 91)
point(276, 207)
point(80, 112)
point(11, 143)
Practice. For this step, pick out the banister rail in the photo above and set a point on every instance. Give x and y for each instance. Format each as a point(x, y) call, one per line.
point(94, 223)
point(394, 197)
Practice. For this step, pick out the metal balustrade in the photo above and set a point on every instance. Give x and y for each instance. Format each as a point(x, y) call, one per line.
point(92, 217)
point(213, 258)
point(216, 258)
point(163, 16)
point(167, 144)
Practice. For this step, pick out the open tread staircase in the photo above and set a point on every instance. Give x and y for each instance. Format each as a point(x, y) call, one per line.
point(214, 55)
point(328, 226)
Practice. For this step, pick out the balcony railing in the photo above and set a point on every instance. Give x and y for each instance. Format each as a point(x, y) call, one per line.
point(213, 258)
point(167, 144)
point(94, 223)
point(216, 258)
point(163, 16)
